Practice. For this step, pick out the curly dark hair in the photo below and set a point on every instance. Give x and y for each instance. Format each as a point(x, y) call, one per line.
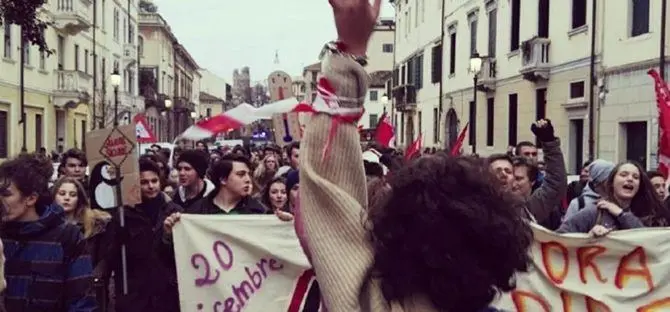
point(446, 231)
point(30, 173)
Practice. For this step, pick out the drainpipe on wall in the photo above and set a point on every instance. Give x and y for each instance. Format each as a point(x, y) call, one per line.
point(661, 65)
point(441, 96)
point(592, 83)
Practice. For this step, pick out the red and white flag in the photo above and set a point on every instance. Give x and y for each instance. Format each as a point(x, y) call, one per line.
point(245, 114)
point(663, 105)
point(385, 134)
point(143, 130)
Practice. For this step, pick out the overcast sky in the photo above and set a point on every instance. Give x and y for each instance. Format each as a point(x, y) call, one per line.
point(222, 35)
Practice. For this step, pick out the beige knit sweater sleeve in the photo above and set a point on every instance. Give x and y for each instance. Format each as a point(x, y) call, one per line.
point(333, 196)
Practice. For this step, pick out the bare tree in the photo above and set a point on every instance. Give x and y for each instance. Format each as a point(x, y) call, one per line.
point(23, 13)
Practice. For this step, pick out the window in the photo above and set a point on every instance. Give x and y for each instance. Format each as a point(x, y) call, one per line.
point(396, 77)
point(577, 90)
point(43, 60)
point(374, 119)
point(26, 52)
point(209, 112)
point(61, 52)
point(387, 47)
point(402, 128)
point(423, 11)
point(4, 134)
point(374, 95)
point(472, 19)
point(578, 13)
point(86, 61)
point(436, 125)
point(140, 46)
point(516, 25)
point(418, 71)
point(489, 121)
point(436, 64)
point(410, 71)
point(125, 31)
point(493, 21)
point(452, 54)
point(512, 121)
point(83, 134)
point(8, 42)
point(402, 74)
point(76, 57)
point(117, 22)
point(416, 13)
point(640, 17)
point(103, 15)
point(420, 117)
point(472, 117)
point(131, 82)
point(407, 22)
point(38, 131)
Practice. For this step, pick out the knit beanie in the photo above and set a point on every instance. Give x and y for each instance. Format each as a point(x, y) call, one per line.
point(599, 170)
point(199, 160)
point(292, 178)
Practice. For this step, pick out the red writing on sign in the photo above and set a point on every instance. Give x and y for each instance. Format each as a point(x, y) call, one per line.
point(526, 301)
point(116, 147)
point(556, 262)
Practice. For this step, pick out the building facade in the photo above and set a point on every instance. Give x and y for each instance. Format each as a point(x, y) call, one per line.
point(214, 85)
point(627, 125)
point(416, 71)
point(310, 75)
point(67, 94)
point(169, 78)
point(380, 46)
point(242, 86)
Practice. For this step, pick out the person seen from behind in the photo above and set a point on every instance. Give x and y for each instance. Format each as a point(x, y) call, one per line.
point(47, 264)
point(629, 202)
point(411, 253)
point(598, 172)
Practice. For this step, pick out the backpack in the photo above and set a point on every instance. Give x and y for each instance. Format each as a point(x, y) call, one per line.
point(581, 202)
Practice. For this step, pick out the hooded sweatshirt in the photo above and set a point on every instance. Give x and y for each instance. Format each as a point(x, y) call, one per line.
point(47, 268)
point(599, 171)
point(179, 197)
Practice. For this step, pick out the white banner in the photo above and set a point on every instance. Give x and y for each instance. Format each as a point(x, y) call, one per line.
point(242, 263)
point(624, 271)
point(255, 263)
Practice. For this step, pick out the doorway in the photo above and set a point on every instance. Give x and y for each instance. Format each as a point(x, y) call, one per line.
point(635, 134)
point(576, 145)
point(452, 128)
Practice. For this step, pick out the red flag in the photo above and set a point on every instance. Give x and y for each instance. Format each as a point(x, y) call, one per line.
point(456, 149)
point(663, 105)
point(143, 130)
point(385, 134)
point(414, 149)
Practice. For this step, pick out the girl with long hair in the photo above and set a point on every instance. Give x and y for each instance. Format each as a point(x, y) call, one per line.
point(274, 195)
point(265, 171)
point(630, 201)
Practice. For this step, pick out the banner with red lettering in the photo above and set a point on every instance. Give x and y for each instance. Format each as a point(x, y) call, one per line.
point(242, 263)
point(624, 271)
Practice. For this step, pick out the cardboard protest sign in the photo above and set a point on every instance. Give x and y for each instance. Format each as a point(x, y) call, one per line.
point(250, 263)
point(106, 149)
point(624, 271)
point(286, 126)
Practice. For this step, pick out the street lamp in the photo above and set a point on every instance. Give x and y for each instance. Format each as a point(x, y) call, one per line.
point(475, 68)
point(115, 81)
point(168, 107)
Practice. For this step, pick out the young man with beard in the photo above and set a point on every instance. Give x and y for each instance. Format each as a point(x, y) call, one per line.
point(232, 195)
point(192, 167)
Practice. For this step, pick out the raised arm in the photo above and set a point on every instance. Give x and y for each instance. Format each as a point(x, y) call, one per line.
point(333, 194)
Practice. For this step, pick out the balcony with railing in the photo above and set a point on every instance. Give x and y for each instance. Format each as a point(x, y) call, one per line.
point(404, 97)
point(72, 88)
point(535, 63)
point(72, 16)
point(487, 75)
